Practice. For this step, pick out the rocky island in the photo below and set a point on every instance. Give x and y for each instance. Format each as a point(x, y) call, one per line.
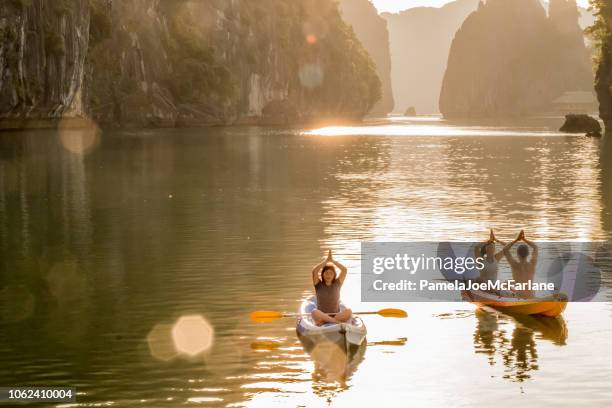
point(420, 41)
point(371, 30)
point(511, 59)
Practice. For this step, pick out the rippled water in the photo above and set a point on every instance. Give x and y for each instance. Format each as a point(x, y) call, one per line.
point(105, 243)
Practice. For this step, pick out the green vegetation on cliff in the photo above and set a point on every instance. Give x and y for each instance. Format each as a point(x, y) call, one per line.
point(182, 62)
point(601, 32)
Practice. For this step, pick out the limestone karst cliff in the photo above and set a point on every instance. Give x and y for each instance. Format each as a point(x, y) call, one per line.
point(42, 57)
point(601, 33)
point(510, 59)
point(572, 67)
point(371, 30)
point(181, 62)
point(420, 41)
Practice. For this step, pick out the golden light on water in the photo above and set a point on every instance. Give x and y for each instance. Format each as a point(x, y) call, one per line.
point(422, 130)
point(160, 342)
point(192, 335)
point(226, 357)
point(199, 400)
point(265, 344)
point(81, 140)
point(330, 362)
point(397, 342)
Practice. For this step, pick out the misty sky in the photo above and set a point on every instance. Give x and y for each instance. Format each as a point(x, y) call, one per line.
point(398, 5)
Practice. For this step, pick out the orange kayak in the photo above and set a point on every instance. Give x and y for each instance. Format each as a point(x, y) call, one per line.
point(551, 306)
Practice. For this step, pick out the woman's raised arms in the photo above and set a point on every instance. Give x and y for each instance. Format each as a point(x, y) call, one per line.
point(507, 248)
point(316, 271)
point(343, 270)
point(534, 252)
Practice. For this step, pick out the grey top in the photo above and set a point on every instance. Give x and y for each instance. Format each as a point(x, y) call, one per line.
point(490, 270)
point(328, 297)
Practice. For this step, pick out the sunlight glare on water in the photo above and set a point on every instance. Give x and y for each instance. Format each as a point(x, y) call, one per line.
point(432, 128)
point(192, 335)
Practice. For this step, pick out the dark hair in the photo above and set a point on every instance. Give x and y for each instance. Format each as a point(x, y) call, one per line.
point(523, 251)
point(483, 249)
point(328, 267)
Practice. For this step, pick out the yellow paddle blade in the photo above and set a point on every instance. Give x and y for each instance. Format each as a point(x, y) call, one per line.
point(265, 345)
point(397, 313)
point(264, 316)
point(398, 342)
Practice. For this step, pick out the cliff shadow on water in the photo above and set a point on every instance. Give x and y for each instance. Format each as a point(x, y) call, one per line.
point(180, 63)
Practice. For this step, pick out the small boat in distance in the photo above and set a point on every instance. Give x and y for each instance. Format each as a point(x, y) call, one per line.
point(551, 306)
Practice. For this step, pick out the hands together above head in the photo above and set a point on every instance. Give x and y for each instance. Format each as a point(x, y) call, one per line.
point(521, 236)
point(493, 238)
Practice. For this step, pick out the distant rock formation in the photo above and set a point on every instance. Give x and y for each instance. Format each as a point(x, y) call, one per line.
point(372, 31)
point(420, 41)
point(411, 111)
point(510, 59)
point(581, 124)
point(586, 17)
point(571, 64)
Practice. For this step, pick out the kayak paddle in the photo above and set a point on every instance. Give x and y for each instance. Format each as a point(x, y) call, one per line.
point(265, 316)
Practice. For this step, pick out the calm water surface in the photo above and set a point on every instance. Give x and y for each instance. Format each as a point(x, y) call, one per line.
point(106, 242)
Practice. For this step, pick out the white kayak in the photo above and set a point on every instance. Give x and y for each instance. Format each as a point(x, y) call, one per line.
point(351, 333)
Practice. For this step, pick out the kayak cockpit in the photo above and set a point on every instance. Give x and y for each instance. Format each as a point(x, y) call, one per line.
point(353, 332)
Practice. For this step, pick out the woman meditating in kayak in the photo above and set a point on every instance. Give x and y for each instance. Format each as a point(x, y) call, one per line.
point(327, 287)
point(486, 250)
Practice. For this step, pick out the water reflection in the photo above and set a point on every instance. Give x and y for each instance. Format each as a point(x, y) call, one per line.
point(101, 253)
point(605, 166)
point(334, 364)
point(605, 190)
point(517, 351)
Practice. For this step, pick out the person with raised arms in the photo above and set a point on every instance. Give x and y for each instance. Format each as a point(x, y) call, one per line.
point(327, 288)
point(486, 250)
point(523, 269)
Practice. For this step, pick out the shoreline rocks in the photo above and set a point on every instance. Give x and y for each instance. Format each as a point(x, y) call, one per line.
point(410, 112)
point(581, 124)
